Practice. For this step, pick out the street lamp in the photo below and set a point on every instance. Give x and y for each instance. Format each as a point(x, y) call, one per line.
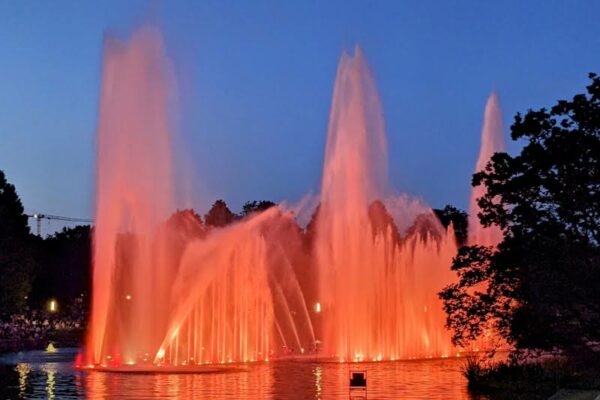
point(53, 306)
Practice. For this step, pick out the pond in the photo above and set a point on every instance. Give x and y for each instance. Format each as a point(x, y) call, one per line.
point(44, 375)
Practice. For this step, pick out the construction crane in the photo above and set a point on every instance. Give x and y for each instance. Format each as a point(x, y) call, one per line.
point(39, 217)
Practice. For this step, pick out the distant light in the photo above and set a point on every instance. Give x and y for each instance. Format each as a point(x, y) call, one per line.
point(127, 297)
point(52, 306)
point(318, 308)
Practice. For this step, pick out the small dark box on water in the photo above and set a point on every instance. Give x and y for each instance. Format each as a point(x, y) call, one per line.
point(358, 385)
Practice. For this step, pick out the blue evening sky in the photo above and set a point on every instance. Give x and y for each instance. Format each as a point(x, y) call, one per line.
point(255, 83)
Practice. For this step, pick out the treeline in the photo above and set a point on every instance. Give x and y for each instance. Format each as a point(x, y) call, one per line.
point(34, 270)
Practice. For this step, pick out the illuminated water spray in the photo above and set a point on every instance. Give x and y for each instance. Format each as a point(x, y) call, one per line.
point(492, 141)
point(168, 293)
point(378, 290)
point(162, 293)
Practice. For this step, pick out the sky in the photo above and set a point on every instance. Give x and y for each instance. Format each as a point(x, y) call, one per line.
point(255, 80)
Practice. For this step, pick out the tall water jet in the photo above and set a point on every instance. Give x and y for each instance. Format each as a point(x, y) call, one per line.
point(492, 141)
point(165, 290)
point(134, 193)
point(378, 290)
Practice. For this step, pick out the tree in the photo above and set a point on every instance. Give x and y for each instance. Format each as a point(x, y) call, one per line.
point(219, 215)
point(13, 221)
point(64, 265)
point(256, 206)
point(16, 260)
point(188, 222)
point(458, 218)
point(539, 288)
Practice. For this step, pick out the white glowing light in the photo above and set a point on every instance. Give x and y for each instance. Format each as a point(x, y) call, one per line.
point(160, 353)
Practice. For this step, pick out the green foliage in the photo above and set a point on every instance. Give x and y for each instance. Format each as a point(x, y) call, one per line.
point(458, 218)
point(539, 288)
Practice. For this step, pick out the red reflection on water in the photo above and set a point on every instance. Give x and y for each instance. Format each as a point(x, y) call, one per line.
point(432, 379)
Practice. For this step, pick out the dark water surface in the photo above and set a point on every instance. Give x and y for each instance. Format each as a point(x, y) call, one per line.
point(41, 375)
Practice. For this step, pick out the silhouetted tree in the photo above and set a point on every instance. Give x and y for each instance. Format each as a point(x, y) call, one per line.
point(16, 259)
point(539, 288)
point(382, 221)
point(64, 265)
point(219, 215)
point(256, 206)
point(426, 224)
point(459, 221)
point(188, 222)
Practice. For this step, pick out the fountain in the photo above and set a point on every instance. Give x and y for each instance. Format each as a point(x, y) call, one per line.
point(378, 288)
point(170, 293)
point(492, 141)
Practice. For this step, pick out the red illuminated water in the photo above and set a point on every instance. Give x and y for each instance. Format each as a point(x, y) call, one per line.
point(378, 289)
point(359, 284)
point(492, 141)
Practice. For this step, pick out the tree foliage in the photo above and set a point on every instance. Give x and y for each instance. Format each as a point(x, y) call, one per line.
point(64, 265)
point(539, 288)
point(256, 206)
point(219, 215)
point(16, 260)
point(458, 218)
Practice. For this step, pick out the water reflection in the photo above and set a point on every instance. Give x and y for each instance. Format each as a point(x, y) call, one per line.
point(50, 371)
point(318, 372)
point(23, 370)
point(33, 378)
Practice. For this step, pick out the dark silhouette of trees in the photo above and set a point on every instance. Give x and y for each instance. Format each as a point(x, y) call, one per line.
point(188, 222)
point(382, 221)
point(256, 206)
point(16, 260)
point(458, 218)
point(540, 288)
point(63, 269)
point(219, 215)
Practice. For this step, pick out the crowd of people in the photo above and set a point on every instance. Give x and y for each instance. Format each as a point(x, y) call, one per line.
point(30, 328)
